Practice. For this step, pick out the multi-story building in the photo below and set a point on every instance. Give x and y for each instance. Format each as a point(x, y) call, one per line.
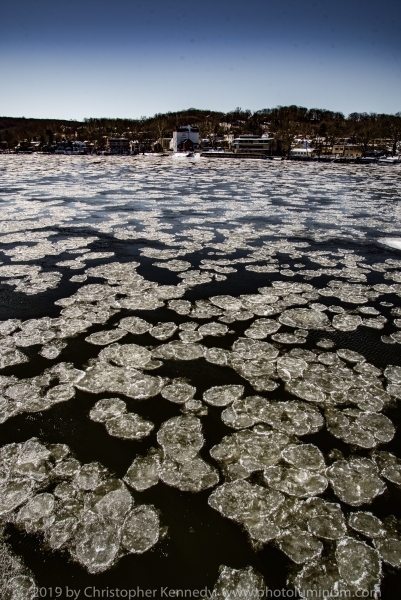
point(119, 145)
point(347, 150)
point(185, 137)
point(252, 143)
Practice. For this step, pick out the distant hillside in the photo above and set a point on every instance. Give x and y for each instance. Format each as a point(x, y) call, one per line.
point(286, 123)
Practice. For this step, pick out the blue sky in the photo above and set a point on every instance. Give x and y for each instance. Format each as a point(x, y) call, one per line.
point(119, 58)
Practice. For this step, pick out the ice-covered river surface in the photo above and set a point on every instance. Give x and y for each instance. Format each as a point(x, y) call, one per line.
point(200, 377)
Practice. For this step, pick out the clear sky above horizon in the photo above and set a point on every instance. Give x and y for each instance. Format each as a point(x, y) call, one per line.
point(119, 58)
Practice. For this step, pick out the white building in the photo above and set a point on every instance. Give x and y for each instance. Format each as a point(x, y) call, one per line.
point(252, 143)
point(185, 138)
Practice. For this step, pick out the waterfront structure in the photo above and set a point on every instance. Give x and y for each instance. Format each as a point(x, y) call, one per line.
point(252, 143)
point(347, 150)
point(120, 145)
point(302, 152)
point(185, 138)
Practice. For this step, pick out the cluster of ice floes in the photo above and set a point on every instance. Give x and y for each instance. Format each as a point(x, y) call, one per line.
point(120, 423)
point(74, 507)
point(280, 489)
point(80, 508)
point(241, 583)
point(177, 463)
point(38, 393)
point(17, 582)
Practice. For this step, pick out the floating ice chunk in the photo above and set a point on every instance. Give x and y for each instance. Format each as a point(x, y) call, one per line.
point(325, 343)
point(367, 401)
point(217, 356)
point(249, 349)
point(195, 407)
point(251, 450)
point(367, 524)
point(141, 530)
point(359, 564)
point(61, 532)
point(9, 326)
point(107, 409)
point(181, 437)
point(306, 456)
point(288, 338)
point(189, 326)
point(182, 307)
point(330, 359)
point(144, 301)
point(174, 265)
point(250, 369)
point(60, 393)
point(355, 481)
point(262, 328)
point(289, 367)
point(293, 418)
point(227, 302)
point(215, 329)
point(127, 355)
point(134, 325)
point(102, 338)
point(245, 412)
point(11, 356)
point(243, 583)
point(129, 426)
point(324, 519)
point(190, 337)
point(306, 355)
point(346, 322)
point(305, 318)
point(393, 374)
point(103, 377)
point(394, 389)
point(178, 350)
point(223, 395)
point(66, 468)
point(250, 505)
point(97, 542)
point(297, 482)
point(14, 493)
point(300, 546)
point(37, 514)
point(88, 476)
point(319, 575)
point(178, 392)
point(365, 429)
point(115, 502)
point(53, 349)
point(162, 331)
point(389, 466)
point(144, 472)
point(30, 337)
point(350, 355)
point(21, 587)
point(190, 476)
point(390, 551)
point(263, 384)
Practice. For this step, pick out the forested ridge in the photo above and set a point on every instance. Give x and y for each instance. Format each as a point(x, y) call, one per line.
point(323, 127)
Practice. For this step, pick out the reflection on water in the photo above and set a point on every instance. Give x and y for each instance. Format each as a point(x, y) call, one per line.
point(200, 370)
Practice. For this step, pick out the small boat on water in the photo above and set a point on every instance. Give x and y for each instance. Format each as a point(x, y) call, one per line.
point(185, 155)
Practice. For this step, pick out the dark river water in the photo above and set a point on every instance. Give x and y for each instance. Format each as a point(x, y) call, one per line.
point(232, 330)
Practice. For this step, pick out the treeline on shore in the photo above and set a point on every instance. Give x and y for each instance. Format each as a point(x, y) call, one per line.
point(323, 128)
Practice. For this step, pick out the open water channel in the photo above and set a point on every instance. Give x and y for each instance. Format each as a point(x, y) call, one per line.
point(200, 378)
